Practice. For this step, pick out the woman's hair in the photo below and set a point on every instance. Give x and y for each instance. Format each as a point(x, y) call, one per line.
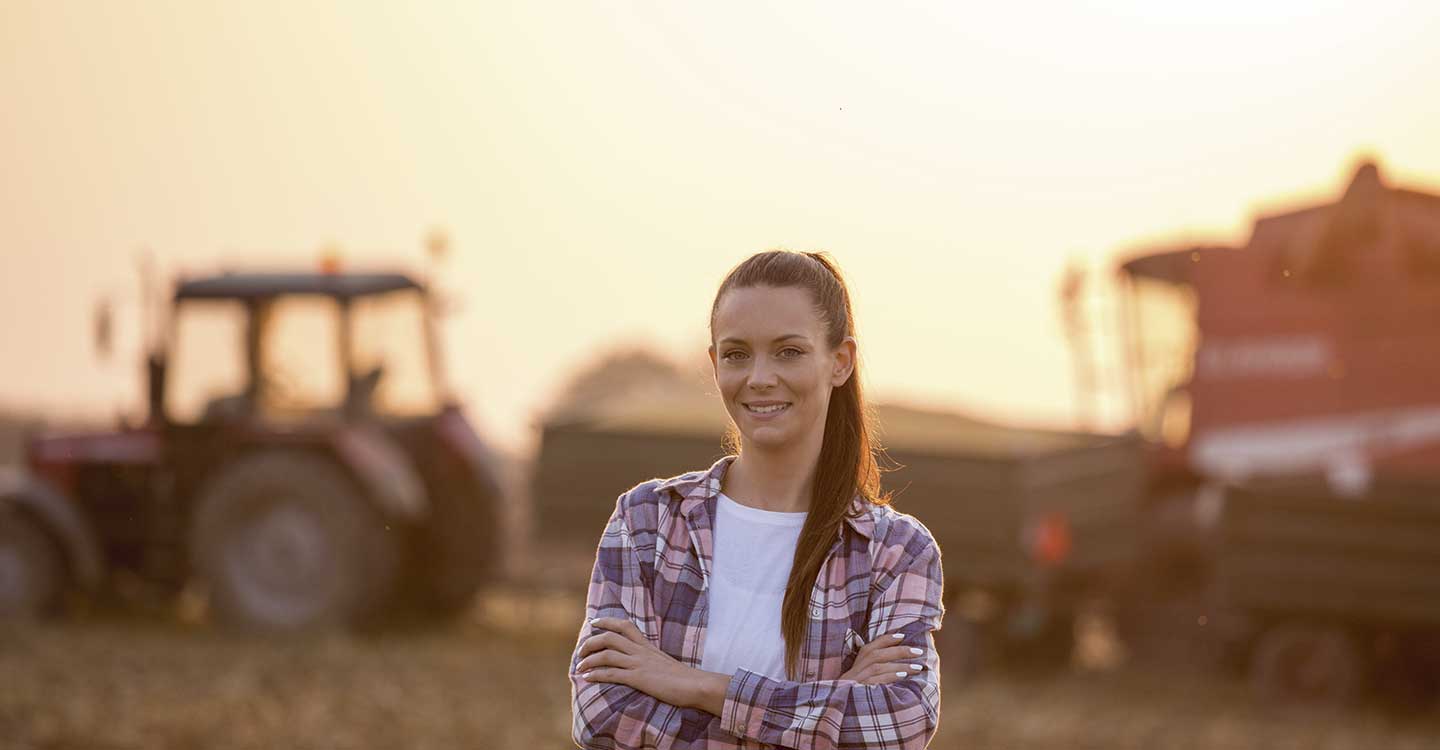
point(847, 464)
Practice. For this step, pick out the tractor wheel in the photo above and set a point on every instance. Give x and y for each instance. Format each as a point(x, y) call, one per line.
point(1308, 664)
point(32, 570)
point(285, 541)
point(457, 552)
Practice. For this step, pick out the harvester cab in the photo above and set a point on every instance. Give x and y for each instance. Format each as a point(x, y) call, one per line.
point(1310, 350)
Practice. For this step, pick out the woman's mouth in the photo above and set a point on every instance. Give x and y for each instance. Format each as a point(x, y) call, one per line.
point(766, 410)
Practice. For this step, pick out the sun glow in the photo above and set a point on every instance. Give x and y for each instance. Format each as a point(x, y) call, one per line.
point(600, 166)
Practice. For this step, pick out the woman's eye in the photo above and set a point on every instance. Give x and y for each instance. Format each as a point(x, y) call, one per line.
point(790, 352)
point(733, 355)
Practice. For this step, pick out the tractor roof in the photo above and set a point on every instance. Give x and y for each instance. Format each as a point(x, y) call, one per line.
point(257, 285)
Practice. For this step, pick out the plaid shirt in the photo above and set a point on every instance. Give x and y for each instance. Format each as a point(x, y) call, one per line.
point(653, 567)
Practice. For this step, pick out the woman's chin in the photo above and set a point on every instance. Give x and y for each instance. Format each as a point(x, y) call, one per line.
point(767, 437)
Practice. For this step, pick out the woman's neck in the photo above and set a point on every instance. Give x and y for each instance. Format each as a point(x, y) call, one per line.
point(778, 480)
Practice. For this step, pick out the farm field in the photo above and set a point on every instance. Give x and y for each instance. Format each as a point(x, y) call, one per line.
point(496, 680)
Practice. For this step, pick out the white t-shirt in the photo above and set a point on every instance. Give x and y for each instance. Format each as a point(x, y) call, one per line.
point(753, 552)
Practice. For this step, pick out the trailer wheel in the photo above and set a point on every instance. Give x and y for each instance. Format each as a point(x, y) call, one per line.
point(285, 541)
point(1407, 669)
point(32, 571)
point(961, 643)
point(1307, 663)
point(1045, 652)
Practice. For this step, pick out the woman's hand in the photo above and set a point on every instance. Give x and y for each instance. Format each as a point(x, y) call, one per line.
point(624, 655)
point(880, 663)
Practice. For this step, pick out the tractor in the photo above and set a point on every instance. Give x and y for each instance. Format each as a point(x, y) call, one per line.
point(301, 465)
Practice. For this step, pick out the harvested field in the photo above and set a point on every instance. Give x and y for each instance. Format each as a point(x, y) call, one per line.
point(496, 680)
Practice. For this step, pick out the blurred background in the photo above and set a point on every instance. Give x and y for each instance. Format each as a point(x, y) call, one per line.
point(332, 332)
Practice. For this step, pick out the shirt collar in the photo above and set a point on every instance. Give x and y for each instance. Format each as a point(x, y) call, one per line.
point(697, 488)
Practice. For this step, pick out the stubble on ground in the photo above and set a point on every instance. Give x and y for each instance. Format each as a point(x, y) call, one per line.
point(498, 679)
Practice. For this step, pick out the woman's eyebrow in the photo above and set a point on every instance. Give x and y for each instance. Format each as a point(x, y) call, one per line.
point(778, 339)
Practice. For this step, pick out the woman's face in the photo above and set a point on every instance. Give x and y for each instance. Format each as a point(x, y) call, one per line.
point(773, 365)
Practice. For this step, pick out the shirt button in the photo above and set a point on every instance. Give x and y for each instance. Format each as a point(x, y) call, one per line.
point(810, 675)
point(816, 612)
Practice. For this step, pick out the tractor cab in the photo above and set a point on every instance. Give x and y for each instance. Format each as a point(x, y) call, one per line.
point(293, 349)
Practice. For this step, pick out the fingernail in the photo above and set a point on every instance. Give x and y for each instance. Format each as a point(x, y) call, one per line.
point(899, 674)
point(916, 667)
point(586, 675)
point(916, 651)
point(897, 636)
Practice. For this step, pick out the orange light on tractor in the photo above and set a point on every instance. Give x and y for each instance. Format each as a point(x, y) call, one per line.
point(1048, 538)
point(330, 262)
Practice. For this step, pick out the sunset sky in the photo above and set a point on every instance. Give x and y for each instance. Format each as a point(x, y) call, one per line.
point(599, 166)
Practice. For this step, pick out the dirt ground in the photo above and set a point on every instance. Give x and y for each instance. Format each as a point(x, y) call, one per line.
point(496, 680)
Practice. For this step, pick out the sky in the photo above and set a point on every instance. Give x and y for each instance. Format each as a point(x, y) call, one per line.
point(598, 167)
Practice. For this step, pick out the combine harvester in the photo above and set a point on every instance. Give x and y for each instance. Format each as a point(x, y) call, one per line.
point(1290, 391)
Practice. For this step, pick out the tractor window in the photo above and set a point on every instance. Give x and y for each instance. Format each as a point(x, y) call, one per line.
point(207, 372)
point(300, 365)
point(391, 345)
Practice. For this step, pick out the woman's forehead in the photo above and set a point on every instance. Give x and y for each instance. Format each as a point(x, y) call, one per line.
point(765, 313)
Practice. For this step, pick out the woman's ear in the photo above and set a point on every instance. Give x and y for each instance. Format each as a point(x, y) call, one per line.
point(844, 362)
point(714, 364)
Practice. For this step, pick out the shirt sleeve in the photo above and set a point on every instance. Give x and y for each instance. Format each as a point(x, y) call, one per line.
point(844, 714)
point(610, 715)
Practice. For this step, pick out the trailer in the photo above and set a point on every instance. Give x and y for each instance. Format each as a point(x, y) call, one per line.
point(1030, 522)
point(1332, 591)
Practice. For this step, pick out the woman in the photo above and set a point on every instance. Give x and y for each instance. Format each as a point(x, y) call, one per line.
point(775, 599)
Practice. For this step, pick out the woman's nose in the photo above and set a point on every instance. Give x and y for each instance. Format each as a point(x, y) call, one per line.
point(761, 376)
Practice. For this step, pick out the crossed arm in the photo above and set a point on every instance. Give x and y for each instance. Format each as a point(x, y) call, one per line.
point(628, 693)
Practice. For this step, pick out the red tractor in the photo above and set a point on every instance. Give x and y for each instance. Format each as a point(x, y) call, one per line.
point(1291, 393)
point(301, 465)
